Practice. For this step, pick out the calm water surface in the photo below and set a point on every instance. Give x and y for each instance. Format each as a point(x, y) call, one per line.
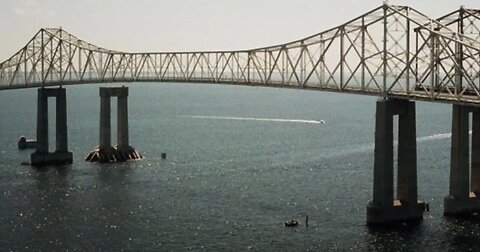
point(226, 184)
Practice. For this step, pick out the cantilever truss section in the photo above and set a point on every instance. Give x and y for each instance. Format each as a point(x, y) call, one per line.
point(393, 51)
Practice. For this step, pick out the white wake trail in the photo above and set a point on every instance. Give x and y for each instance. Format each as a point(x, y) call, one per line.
point(437, 137)
point(256, 119)
point(434, 137)
point(367, 147)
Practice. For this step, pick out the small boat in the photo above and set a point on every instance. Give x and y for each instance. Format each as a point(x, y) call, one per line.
point(291, 223)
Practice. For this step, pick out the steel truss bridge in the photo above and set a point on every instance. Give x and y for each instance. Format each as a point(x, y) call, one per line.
point(390, 51)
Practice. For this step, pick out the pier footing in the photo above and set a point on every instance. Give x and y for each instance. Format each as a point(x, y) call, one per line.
point(112, 155)
point(51, 158)
point(397, 212)
point(461, 206)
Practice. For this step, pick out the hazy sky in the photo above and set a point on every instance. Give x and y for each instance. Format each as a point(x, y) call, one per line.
point(184, 25)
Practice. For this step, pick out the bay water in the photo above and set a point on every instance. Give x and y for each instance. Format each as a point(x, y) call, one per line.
point(240, 161)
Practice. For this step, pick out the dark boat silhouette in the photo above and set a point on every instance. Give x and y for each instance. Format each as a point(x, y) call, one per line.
point(291, 223)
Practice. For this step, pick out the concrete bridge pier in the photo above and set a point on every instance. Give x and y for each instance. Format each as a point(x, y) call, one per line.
point(42, 156)
point(385, 207)
point(464, 190)
point(105, 152)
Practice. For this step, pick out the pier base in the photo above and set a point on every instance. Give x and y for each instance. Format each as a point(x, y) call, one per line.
point(464, 175)
point(396, 212)
point(112, 155)
point(385, 207)
point(52, 158)
point(461, 206)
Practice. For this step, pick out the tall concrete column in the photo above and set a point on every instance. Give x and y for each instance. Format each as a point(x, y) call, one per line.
point(459, 163)
point(384, 207)
point(122, 123)
point(464, 176)
point(123, 151)
point(383, 163)
point(61, 122)
point(407, 154)
point(42, 122)
point(105, 122)
point(42, 156)
point(475, 158)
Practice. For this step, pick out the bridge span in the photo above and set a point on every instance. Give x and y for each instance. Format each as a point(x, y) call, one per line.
point(394, 52)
